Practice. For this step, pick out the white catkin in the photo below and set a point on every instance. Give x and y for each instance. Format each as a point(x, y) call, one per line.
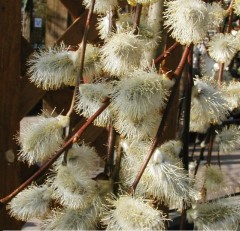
point(230, 92)
point(164, 177)
point(121, 53)
point(73, 187)
point(216, 14)
point(214, 179)
point(222, 214)
point(129, 213)
point(53, 68)
point(187, 20)
point(207, 105)
point(32, 202)
point(228, 138)
point(90, 99)
point(223, 47)
point(69, 219)
point(140, 93)
point(39, 140)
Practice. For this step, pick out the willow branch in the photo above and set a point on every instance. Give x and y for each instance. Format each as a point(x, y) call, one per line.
point(137, 17)
point(58, 153)
point(201, 154)
point(187, 108)
point(110, 151)
point(230, 17)
point(220, 74)
point(166, 53)
point(210, 146)
point(79, 78)
point(158, 137)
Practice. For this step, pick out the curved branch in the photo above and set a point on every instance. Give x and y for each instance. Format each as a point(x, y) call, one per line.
point(76, 135)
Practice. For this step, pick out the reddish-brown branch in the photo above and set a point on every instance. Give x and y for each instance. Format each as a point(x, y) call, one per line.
point(230, 17)
point(220, 74)
point(210, 146)
point(158, 137)
point(58, 153)
point(187, 108)
point(137, 17)
point(84, 42)
point(228, 30)
point(110, 151)
point(186, 123)
point(166, 53)
point(79, 78)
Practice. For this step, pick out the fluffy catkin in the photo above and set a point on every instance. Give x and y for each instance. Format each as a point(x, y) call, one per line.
point(39, 140)
point(32, 202)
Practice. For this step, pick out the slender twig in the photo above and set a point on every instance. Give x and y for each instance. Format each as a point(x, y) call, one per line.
point(220, 73)
point(58, 153)
point(110, 24)
point(161, 128)
point(82, 49)
point(137, 17)
point(166, 53)
point(201, 154)
point(230, 17)
point(187, 108)
point(110, 151)
point(230, 6)
point(228, 30)
point(115, 174)
point(65, 154)
point(185, 134)
point(210, 146)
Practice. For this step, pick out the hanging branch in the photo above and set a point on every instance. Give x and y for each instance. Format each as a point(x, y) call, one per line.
point(230, 17)
point(82, 48)
point(115, 173)
point(74, 138)
point(210, 145)
point(209, 157)
point(220, 73)
point(166, 53)
point(187, 109)
point(137, 17)
point(158, 137)
point(186, 123)
point(79, 77)
point(110, 151)
point(228, 30)
point(201, 154)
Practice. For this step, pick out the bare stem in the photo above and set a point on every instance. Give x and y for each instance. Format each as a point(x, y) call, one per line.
point(76, 135)
point(201, 154)
point(166, 53)
point(187, 108)
point(137, 17)
point(161, 128)
point(115, 174)
point(110, 150)
point(210, 146)
point(220, 74)
point(82, 48)
point(230, 6)
point(230, 17)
